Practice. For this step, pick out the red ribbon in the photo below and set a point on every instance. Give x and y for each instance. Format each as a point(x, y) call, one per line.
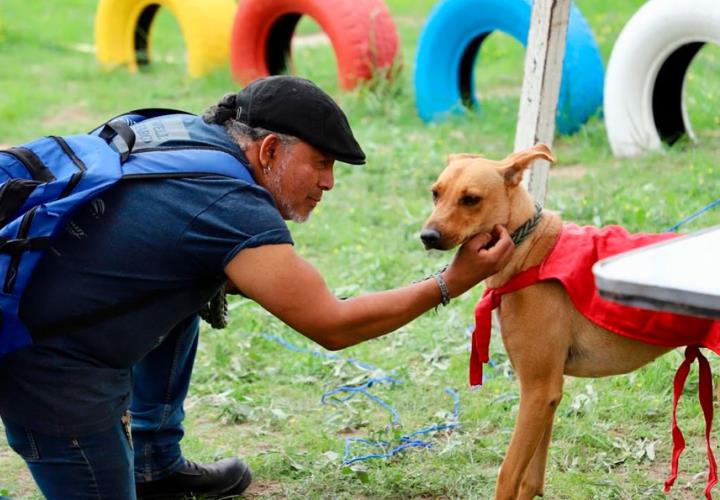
point(480, 352)
point(705, 396)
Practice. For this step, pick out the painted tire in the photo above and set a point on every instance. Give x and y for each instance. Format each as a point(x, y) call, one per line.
point(646, 72)
point(450, 42)
point(362, 34)
point(122, 30)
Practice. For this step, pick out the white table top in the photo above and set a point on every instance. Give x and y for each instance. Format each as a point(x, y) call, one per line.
point(681, 275)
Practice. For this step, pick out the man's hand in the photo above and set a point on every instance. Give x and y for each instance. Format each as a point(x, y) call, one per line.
point(478, 259)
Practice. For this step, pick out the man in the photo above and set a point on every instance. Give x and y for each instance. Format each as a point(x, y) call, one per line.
point(121, 288)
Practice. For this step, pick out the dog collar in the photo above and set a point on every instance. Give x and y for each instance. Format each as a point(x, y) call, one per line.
point(519, 235)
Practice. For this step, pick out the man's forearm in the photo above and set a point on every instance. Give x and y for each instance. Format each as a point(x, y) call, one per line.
point(293, 290)
point(375, 314)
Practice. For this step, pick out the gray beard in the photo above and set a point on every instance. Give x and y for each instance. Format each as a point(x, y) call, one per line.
point(280, 199)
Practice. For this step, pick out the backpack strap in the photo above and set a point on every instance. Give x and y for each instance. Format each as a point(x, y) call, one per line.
point(120, 125)
point(138, 115)
point(122, 129)
point(34, 165)
point(215, 159)
point(13, 194)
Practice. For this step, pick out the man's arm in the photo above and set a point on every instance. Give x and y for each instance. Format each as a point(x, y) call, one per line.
point(290, 288)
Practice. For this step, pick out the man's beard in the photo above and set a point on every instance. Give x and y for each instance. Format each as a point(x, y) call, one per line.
point(283, 203)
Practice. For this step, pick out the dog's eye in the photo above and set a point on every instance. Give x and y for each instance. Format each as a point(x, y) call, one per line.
point(469, 200)
point(435, 195)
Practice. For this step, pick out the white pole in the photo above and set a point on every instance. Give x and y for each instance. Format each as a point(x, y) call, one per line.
point(541, 85)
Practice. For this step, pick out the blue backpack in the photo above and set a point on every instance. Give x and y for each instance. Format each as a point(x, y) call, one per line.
point(43, 182)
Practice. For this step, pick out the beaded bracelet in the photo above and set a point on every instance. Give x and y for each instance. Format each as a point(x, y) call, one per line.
point(444, 293)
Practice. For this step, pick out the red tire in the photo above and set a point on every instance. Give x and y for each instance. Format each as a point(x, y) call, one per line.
point(362, 34)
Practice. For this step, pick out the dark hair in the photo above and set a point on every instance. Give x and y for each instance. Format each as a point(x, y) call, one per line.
point(225, 109)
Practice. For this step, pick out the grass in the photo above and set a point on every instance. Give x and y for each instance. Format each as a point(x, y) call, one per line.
point(252, 397)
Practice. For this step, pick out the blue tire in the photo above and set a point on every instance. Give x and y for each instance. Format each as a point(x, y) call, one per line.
point(450, 42)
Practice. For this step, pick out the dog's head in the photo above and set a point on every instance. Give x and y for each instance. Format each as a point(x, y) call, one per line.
point(473, 194)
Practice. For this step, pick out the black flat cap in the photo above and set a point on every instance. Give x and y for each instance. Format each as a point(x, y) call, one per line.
point(297, 107)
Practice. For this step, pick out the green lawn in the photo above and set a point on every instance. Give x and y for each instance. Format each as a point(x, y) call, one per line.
point(254, 398)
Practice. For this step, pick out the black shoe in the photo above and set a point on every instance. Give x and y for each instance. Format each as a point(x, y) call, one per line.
point(224, 479)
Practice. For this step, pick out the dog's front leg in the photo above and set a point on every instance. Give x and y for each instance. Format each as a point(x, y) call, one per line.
point(533, 484)
point(535, 329)
point(522, 472)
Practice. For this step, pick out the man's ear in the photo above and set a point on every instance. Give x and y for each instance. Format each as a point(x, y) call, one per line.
point(514, 165)
point(459, 156)
point(268, 149)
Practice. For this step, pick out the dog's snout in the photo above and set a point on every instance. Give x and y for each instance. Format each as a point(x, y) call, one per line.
point(430, 237)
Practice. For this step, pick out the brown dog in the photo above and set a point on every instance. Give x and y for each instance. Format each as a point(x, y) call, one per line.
point(544, 334)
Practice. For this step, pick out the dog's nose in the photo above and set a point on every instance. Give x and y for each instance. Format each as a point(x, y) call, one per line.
point(430, 237)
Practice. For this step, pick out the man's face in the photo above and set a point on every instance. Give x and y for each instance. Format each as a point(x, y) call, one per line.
point(299, 175)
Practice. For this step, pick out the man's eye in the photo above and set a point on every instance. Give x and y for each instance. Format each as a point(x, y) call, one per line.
point(469, 200)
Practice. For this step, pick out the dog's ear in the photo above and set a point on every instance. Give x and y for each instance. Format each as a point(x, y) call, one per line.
point(515, 164)
point(459, 156)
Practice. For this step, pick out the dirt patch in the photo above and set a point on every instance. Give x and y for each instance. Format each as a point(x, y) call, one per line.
point(409, 21)
point(349, 432)
point(261, 489)
point(569, 172)
point(689, 484)
point(313, 40)
point(68, 114)
point(83, 48)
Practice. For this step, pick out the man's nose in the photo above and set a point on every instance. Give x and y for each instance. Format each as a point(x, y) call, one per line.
point(430, 237)
point(327, 179)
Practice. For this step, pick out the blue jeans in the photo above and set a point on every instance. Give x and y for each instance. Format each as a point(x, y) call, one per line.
point(160, 384)
point(101, 465)
point(70, 468)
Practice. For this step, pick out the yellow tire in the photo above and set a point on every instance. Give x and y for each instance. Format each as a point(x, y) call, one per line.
point(122, 31)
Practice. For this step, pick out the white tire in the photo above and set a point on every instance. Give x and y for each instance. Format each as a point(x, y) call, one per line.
point(643, 103)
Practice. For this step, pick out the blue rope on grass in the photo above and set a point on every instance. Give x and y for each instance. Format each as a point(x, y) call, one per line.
point(326, 355)
point(697, 214)
point(406, 440)
point(352, 390)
